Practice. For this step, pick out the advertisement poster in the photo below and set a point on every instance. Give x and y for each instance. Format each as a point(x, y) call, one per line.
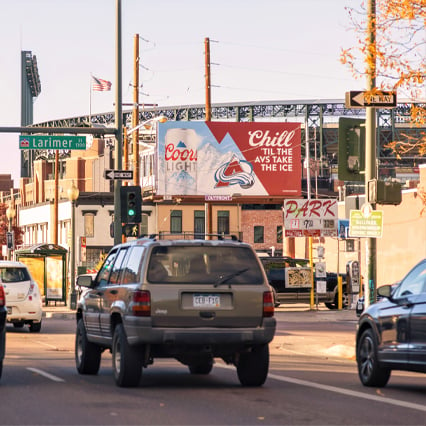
point(221, 158)
point(36, 267)
point(54, 278)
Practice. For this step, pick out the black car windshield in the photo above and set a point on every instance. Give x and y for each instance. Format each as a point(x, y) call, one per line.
point(204, 264)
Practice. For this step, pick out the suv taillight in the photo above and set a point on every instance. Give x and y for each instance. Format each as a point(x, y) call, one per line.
point(268, 304)
point(141, 304)
point(2, 296)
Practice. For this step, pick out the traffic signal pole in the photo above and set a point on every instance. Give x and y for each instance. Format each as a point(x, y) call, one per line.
point(119, 126)
point(370, 151)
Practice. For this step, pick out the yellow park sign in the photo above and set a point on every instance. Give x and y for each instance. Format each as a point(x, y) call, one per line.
point(366, 222)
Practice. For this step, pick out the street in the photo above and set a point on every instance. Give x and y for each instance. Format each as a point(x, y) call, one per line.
point(312, 380)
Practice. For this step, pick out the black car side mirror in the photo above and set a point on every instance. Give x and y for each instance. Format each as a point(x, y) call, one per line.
point(385, 291)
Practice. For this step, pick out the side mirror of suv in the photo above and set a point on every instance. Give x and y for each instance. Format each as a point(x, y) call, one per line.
point(84, 280)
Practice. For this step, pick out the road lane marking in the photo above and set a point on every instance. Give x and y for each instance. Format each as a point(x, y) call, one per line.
point(342, 391)
point(348, 392)
point(45, 374)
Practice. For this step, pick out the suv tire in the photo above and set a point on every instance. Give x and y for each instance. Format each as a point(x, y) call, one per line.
point(87, 354)
point(126, 360)
point(252, 367)
point(369, 370)
point(35, 327)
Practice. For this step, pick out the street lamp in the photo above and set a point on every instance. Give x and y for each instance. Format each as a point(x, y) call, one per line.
point(10, 214)
point(73, 194)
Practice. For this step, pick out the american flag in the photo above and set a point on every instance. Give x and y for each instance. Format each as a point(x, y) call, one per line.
point(100, 85)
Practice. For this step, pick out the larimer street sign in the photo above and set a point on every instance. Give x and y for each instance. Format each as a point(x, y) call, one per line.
point(357, 99)
point(52, 142)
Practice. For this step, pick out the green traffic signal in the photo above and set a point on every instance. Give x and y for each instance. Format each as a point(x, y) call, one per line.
point(131, 204)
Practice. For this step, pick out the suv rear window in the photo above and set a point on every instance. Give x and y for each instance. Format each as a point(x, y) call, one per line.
point(14, 275)
point(204, 264)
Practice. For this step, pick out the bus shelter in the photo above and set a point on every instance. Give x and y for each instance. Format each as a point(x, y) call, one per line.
point(47, 265)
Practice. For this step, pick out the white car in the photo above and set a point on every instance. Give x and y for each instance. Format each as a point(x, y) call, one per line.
point(23, 299)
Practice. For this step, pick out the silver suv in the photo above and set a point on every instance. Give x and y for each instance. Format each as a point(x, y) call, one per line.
point(192, 300)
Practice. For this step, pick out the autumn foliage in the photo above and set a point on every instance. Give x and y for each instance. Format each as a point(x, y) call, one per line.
point(396, 58)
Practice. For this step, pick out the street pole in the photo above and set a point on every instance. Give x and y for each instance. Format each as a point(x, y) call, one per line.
point(119, 126)
point(135, 115)
point(73, 194)
point(73, 299)
point(370, 149)
point(208, 206)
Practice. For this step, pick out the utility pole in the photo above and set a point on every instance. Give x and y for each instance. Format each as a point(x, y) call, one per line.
point(208, 205)
point(135, 115)
point(119, 126)
point(370, 149)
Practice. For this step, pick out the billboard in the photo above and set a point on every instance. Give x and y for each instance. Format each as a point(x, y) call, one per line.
point(221, 158)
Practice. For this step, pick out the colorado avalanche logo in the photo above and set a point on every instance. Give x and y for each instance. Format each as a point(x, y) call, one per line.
point(235, 172)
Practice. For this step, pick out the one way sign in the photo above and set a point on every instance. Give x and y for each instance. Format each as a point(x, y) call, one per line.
point(118, 174)
point(358, 99)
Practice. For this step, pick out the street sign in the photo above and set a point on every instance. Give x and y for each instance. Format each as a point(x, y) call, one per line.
point(118, 174)
point(359, 99)
point(366, 223)
point(52, 142)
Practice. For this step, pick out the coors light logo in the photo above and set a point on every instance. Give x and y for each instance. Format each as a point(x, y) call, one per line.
point(181, 160)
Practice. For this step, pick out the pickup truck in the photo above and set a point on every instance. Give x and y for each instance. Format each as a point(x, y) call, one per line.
point(291, 280)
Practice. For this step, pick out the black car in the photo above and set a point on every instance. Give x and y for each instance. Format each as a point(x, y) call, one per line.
point(291, 280)
point(3, 315)
point(391, 333)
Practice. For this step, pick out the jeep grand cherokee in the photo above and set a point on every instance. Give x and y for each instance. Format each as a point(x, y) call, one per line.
point(190, 300)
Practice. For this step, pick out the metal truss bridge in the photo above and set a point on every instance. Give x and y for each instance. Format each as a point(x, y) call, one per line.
point(321, 117)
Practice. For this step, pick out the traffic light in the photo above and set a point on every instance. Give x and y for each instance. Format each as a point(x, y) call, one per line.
point(351, 149)
point(131, 204)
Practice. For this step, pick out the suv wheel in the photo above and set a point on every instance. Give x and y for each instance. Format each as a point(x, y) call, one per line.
point(252, 367)
point(87, 354)
point(1, 367)
point(35, 327)
point(126, 360)
point(369, 370)
point(202, 367)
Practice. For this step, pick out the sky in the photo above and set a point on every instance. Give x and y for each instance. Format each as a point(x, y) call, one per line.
point(259, 51)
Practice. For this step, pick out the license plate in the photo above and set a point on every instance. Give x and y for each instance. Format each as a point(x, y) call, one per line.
point(206, 301)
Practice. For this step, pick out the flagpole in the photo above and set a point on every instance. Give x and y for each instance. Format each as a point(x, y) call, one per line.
point(90, 101)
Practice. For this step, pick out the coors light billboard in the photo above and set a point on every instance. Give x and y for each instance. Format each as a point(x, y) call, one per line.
point(221, 158)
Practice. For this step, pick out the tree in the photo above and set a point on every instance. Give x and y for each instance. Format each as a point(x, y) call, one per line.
point(4, 227)
point(397, 58)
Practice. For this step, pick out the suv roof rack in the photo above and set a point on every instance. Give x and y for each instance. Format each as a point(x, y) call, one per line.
point(190, 236)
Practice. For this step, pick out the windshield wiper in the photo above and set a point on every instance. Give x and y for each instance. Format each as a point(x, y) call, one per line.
point(224, 278)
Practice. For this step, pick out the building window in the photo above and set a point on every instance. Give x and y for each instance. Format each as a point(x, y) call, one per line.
point(199, 224)
point(89, 225)
point(223, 222)
point(176, 222)
point(279, 234)
point(258, 234)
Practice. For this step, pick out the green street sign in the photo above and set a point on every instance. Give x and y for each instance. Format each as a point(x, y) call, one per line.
point(362, 224)
point(52, 142)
